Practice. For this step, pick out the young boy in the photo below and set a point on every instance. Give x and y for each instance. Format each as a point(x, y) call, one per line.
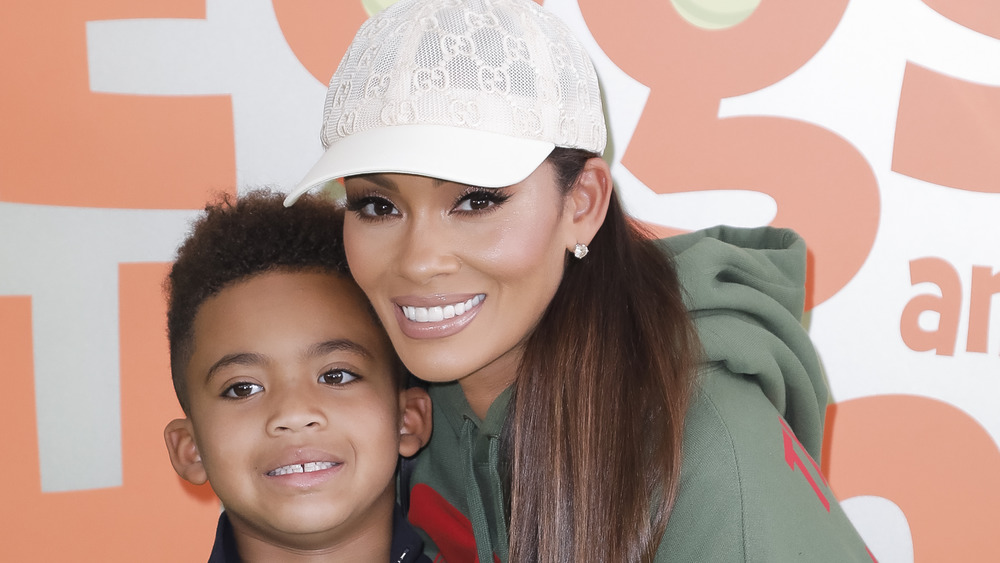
point(296, 406)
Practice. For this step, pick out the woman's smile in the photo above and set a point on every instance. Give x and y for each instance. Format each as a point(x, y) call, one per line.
point(439, 313)
point(437, 321)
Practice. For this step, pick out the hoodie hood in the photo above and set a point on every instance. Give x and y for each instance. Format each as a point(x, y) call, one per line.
point(745, 290)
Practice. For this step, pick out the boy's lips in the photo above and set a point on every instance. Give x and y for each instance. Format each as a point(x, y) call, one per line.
point(437, 317)
point(307, 467)
point(304, 470)
point(302, 461)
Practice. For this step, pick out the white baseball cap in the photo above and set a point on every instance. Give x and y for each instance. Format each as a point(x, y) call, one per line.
point(471, 91)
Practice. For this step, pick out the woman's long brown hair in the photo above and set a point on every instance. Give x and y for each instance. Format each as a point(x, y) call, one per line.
point(594, 435)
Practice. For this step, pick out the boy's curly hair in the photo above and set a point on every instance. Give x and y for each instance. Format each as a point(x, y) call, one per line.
point(234, 240)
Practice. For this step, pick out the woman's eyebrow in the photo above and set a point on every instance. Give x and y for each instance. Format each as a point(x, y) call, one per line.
point(384, 181)
point(380, 180)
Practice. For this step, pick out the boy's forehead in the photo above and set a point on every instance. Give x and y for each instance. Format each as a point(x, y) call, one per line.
point(312, 311)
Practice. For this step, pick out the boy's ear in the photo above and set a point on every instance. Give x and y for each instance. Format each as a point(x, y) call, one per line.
point(183, 451)
point(415, 428)
point(588, 201)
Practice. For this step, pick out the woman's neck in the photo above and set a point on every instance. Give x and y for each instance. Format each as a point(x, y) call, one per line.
point(484, 386)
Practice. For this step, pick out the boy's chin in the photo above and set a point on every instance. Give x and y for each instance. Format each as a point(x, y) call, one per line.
point(317, 523)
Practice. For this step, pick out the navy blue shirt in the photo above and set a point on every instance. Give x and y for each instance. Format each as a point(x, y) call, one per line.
point(407, 547)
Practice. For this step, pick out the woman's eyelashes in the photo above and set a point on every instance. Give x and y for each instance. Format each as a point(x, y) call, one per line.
point(471, 201)
point(478, 200)
point(371, 206)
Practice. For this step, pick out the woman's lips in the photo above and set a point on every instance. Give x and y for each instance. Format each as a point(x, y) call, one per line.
point(445, 318)
point(440, 313)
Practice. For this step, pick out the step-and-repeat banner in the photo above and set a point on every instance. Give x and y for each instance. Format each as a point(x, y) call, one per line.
point(870, 126)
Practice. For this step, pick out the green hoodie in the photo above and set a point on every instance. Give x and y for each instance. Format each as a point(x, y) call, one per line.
point(750, 489)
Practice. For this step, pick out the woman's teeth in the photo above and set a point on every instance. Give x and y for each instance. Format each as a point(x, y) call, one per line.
point(435, 314)
point(301, 468)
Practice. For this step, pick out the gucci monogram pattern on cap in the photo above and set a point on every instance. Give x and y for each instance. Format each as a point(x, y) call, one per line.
point(502, 66)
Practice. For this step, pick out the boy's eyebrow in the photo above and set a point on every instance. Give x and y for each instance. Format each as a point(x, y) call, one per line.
point(337, 345)
point(239, 359)
point(316, 350)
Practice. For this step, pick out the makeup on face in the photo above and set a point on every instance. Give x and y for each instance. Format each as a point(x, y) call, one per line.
point(459, 275)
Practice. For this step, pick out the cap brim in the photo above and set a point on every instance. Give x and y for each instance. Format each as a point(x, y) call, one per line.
point(466, 156)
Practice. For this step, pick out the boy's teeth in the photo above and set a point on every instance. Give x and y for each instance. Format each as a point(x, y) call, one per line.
point(435, 314)
point(301, 468)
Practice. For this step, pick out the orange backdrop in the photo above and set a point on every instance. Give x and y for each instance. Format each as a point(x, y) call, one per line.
point(101, 167)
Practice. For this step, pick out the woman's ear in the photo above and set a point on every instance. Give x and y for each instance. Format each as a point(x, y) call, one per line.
point(415, 428)
point(588, 200)
point(183, 451)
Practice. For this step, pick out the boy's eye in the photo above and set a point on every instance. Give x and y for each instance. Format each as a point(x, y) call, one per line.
point(337, 377)
point(241, 390)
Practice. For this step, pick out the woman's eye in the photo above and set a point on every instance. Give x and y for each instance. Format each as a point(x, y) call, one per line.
point(480, 200)
point(337, 377)
point(379, 207)
point(241, 390)
point(372, 206)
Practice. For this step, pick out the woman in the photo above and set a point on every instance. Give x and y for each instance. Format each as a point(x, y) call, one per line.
point(583, 411)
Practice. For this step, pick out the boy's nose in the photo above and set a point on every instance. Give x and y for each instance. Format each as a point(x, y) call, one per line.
point(296, 411)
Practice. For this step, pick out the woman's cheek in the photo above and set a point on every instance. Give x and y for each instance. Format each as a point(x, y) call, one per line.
point(522, 248)
point(364, 255)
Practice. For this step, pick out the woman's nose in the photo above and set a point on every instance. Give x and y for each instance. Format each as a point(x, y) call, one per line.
point(428, 250)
